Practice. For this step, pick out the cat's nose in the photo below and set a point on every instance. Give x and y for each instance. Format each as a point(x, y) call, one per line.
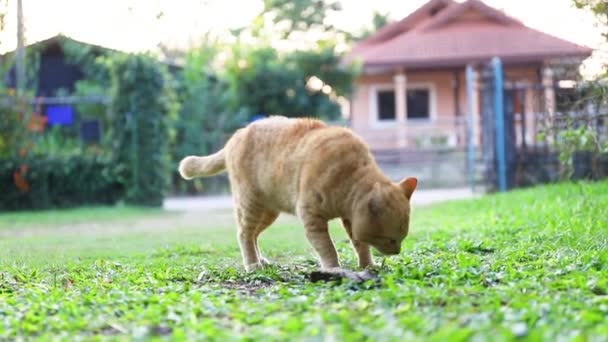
point(395, 247)
point(391, 249)
point(394, 250)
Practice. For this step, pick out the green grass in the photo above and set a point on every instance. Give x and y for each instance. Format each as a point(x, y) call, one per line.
point(72, 216)
point(531, 264)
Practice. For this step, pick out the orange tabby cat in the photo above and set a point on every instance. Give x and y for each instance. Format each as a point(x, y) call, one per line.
point(317, 172)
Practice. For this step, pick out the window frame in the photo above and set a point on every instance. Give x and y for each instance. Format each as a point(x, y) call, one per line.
point(374, 90)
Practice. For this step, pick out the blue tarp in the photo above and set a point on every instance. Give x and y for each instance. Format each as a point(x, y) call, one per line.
point(60, 115)
point(257, 117)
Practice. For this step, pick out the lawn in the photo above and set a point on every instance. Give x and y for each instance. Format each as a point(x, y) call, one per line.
point(73, 216)
point(529, 264)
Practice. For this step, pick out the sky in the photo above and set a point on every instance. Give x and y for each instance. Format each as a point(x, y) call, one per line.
point(131, 25)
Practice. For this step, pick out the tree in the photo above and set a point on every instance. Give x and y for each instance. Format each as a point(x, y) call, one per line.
point(270, 80)
point(19, 124)
point(3, 4)
point(209, 112)
point(265, 82)
point(597, 7)
point(379, 20)
point(291, 16)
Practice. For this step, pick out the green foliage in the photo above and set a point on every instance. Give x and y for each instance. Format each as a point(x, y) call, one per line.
point(263, 84)
point(3, 12)
point(95, 62)
point(57, 182)
point(54, 142)
point(580, 134)
point(292, 16)
point(15, 110)
point(528, 265)
point(293, 20)
point(13, 132)
point(267, 83)
point(379, 20)
point(93, 110)
point(32, 62)
point(582, 139)
point(143, 104)
point(599, 8)
point(208, 116)
point(325, 64)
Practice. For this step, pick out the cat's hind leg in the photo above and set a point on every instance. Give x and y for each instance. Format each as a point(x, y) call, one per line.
point(266, 219)
point(252, 218)
point(246, 237)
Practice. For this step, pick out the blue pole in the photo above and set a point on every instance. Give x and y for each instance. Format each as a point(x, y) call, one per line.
point(499, 112)
point(470, 75)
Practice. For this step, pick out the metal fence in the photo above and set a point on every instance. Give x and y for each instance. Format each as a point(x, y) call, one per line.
point(522, 132)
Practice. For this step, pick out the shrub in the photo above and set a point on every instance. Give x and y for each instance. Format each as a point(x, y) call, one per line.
point(45, 182)
point(142, 105)
point(206, 120)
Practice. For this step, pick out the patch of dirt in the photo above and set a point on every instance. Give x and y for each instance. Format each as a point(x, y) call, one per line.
point(341, 274)
point(250, 283)
point(249, 288)
point(242, 285)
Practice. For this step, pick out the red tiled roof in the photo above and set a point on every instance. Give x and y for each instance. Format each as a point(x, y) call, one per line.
point(445, 41)
point(394, 29)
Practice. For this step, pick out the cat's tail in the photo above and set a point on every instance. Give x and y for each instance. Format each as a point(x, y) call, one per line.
point(193, 166)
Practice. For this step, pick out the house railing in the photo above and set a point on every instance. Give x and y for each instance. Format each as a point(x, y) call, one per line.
point(441, 132)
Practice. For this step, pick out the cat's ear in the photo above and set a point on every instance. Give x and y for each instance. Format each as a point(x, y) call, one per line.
point(409, 185)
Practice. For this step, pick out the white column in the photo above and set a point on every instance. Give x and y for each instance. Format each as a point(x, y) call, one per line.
point(400, 80)
point(549, 91)
point(476, 110)
point(549, 108)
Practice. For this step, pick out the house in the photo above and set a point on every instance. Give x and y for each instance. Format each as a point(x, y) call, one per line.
point(56, 72)
point(56, 75)
point(412, 90)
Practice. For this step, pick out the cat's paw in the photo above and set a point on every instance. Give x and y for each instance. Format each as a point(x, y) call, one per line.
point(265, 262)
point(253, 267)
point(337, 274)
point(367, 265)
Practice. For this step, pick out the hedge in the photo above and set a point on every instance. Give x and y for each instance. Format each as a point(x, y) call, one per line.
point(142, 105)
point(56, 182)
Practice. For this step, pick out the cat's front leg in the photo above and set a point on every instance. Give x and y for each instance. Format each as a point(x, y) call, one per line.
point(317, 233)
point(364, 253)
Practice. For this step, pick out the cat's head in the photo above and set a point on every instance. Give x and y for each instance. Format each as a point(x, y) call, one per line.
point(382, 217)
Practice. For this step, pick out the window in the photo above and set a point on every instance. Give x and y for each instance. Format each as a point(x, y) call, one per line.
point(418, 104)
point(386, 105)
